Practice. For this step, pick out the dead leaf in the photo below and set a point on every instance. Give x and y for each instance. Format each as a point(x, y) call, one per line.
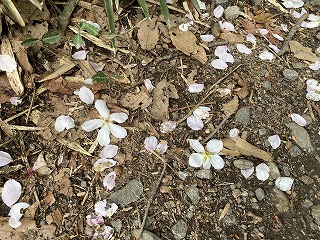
point(57, 216)
point(63, 182)
point(302, 52)
point(244, 91)
point(134, 101)
point(74, 146)
point(232, 37)
point(263, 17)
point(22, 56)
point(48, 200)
point(148, 35)
point(251, 27)
point(230, 107)
point(31, 210)
point(186, 43)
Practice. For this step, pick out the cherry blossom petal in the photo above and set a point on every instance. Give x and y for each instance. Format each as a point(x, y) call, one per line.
point(104, 136)
point(219, 64)
point(100, 208)
point(196, 145)
point(284, 183)
point(148, 84)
point(103, 163)
point(202, 112)
point(227, 26)
point(107, 232)
point(11, 192)
point(298, 119)
point(218, 11)
point(262, 171)
point(196, 160)
point(207, 37)
point(195, 87)
point(15, 101)
point(284, 27)
point(151, 143)
point(266, 56)
point(214, 146)
point(277, 36)
point(168, 126)
point(169, 1)
point(184, 27)
point(15, 214)
point(243, 48)
point(102, 108)
point(292, 3)
point(117, 131)
point(195, 123)
point(315, 66)
point(313, 96)
point(109, 151)
point(234, 132)
point(202, 5)
point(162, 147)
point(263, 31)
point(274, 141)
point(274, 47)
point(86, 95)
point(63, 122)
point(96, 66)
point(109, 181)
point(217, 162)
point(247, 172)
point(92, 124)
point(119, 117)
point(312, 85)
point(5, 158)
point(226, 57)
point(7, 63)
point(220, 50)
point(206, 163)
point(97, 220)
point(80, 55)
point(251, 38)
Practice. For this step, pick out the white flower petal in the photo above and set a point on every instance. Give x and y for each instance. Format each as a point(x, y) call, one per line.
point(312, 85)
point(162, 147)
point(15, 214)
point(202, 5)
point(196, 160)
point(196, 145)
point(117, 131)
point(298, 119)
point(215, 146)
point(119, 117)
point(226, 57)
point(86, 95)
point(7, 63)
point(151, 143)
point(168, 126)
point(15, 101)
point(266, 56)
point(217, 162)
point(63, 122)
point(251, 38)
point(5, 158)
point(274, 47)
point(262, 171)
point(92, 124)
point(220, 50)
point(101, 106)
point(274, 141)
point(315, 66)
point(284, 27)
point(109, 181)
point(206, 162)
point(87, 81)
point(109, 151)
point(207, 37)
point(313, 96)
point(80, 55)
point(202, 112)
point(263, 31)
point(100, 207)
point(184, 27)
point(219, 64)
point(96, 66)
point(247, 172)
point(234, 132)
point(103, 163)
point(227, 26)
point(11, 192)
point(277, 36)
point(148, 84)
point(104, 136)
point(243, 48)
point(195, 87)
point(284, 183)
point(195, 123)
point(218, 11)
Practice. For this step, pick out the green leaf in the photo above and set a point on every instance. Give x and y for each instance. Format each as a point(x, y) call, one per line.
point(109, 11)
point(51, 37)
point(109, 35)
point(116, 77)
point(100, 77)
point(30, 42)
point(196, 5)
point(77, 40)
point(144, 7)
point(89, 28)
point(165, 12)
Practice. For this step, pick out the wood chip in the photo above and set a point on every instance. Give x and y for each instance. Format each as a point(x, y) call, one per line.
point(224, 211)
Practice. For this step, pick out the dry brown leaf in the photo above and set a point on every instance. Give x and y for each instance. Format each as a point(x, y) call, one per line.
point(251, 27)
point(160, 106)
point(186, 43)
point(134, 101)
point(74, 146)
point(22, 56)
point(148, 35)
point(232, 37)
point(230, 107)
point(302, 52)
point(244, 91)
point(263, 17)
point(63, 182)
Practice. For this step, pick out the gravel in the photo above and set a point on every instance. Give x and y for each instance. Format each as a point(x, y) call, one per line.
point(232, 12)
point(204, 174)
point(290, 74)
point(260, 194)
point(243, 115)
point(193, 194)
point(179, 230)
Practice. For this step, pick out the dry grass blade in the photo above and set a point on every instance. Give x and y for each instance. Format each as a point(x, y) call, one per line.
point(36, 3)
point(143, 5)
point(12, 8)
point(74, 146)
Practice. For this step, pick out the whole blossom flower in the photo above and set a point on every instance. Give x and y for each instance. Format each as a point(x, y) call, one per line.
point(106, 124)
point(206, 158)
point(314, 21)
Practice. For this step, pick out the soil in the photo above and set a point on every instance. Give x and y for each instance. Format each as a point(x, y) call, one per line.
point(224, 206)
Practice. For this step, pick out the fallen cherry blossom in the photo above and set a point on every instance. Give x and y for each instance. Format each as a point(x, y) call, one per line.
point(234, 132)
point(15, 101)
point(274, 141)
point(263, 31)
point(292, 3)
point(266, 56)
point(195, 87)
point(148, 84)
point(7, 63)
point(151, 144)
point(315, 66)
point(262, 171)
point(251, 38)
point(101, 208)
point(247, 172)
point(222, 53)
point(185, 26)
point(298, 119)
point(296, 14)
point(80, 55)
point(168, 126)
point(277, 36)
point(284, 27)
point(195, 121)
point(226, 26)
point(96, 66)
point(218, 11)
point(243, 48)
point(284, 183)
point(5, 158)
point(274, 48)
point(207, 37)
point(202, 5)
point(106, 155)
point(63, 122)
point(314, 21)
point(109, 180)
point(86, 95)
point(313, 89)
point(94, 220)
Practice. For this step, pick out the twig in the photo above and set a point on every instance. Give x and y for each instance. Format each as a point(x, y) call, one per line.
point(19, 114)
point(211, 90)
point(217, 128)
point(293, 30)
point(30, 107)
point(150, 200)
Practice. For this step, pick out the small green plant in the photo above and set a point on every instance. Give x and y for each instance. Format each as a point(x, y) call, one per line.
point(49, 37)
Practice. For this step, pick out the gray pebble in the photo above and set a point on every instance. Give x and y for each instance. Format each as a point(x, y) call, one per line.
point(286, 170)
point(307, 203)
point(236, 193)
point(301, 136)
point(280, 199)
point(315, 212)
point(222, 2)
point(274, 170)
point(262, 131)
point(204, 174)
point(146, 235)
point(116, 224)
point(182, 175)
point(294, 151)
point(318, 35)
point(298, 65)
point(193, 194)
point(290, 74)
point(267, 85)
point(262, 71)
point(260, 194)
point(170, 204)
point(315, 2)
point(242, 164)
point(256, 2)
point(243, 115)
point(230, 219)
point(232, 12)
point(179, 230)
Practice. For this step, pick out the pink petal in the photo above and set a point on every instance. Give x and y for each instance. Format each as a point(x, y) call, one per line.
point(102, 108)
point(196, 145)
point(298, 119)
point(5, 158)
point(234, 132)
point(266, 56)
point(284, 183)
point(109, 181)
point(80, 55)
point(207, 38)
point(202, 5)
point(274, 47)
point(262, 171)
point(274, 141)
point(263, 31)
point(247, 172)
point(96, 66)
point(11, 192)
point(312, 85)
point(168, 126)
point(251, 38)
point(220, 50)
point(15, 101)
point(7, 63)
point(195, 123)
point(315, 66)
point(277, 36)
point(109, 151)
point(162, 147)
point(63, 122)
point(15, 214)
point(195, 87)
point(219, 64)
point(86, 95)
point(243, 48)
point(103, 163)
point(227, 26)
point(148, 85)
point(218, 11)
point(150, 143)
point(202, 112)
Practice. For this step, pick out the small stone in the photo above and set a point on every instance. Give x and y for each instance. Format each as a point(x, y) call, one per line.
point(232, 12)
point(307, 203)
point(274, 170)
point(298, 65)
point(262, 72)
point(243, 115)
point(315, 212)
point(260, 194)
point(290, 74)
point(182, 175)
point(294, 151)
point(170, 204)
point(262, 131)
point(222, 2)
point(286, 170)
point(318, 35)
point(315, 2)
point(267, 85)
point(146, 235)
point(256, 2)
point(164, 189)
point(236, 193)
point(306, 179)
point(204, 174)
point(242, 164)
point(116, 224)
point(301, 136)
point(280, 200)
point(193, 194)
point(179, 230)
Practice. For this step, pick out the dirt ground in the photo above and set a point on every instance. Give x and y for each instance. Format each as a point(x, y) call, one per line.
point(183, 202)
